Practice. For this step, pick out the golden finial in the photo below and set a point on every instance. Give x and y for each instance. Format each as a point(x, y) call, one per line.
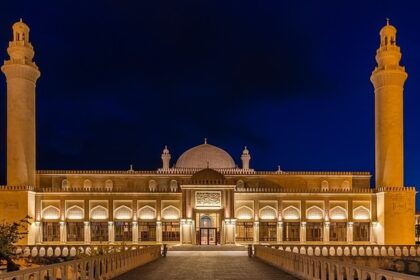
point(205, 140)
point(21, 20)
point(387, 21)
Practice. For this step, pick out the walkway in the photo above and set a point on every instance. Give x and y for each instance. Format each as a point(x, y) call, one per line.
point(203, 265)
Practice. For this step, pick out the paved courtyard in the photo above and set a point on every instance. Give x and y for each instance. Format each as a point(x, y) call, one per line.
point(206, 265)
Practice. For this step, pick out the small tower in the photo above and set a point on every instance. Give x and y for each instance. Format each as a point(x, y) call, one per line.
point(21, 74)
point(166, 158)
point(388, 79)
point(246, 157)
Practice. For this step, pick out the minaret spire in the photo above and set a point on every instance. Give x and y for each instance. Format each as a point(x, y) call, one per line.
point(21, 74)
point(166, 158)
point(388, 79)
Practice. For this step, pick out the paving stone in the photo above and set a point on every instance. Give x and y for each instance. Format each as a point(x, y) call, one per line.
point(205, 266)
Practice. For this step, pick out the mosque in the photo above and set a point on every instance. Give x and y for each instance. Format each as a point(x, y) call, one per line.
point(204, 197)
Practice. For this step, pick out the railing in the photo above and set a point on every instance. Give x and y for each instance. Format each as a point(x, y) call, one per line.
point(105, 266)
point(51, 250)
point(352, 250)
point(314, 268)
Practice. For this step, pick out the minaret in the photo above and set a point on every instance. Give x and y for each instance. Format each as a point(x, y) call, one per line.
point(21, 74)
point(388, 78)
point(166, 157)
point(245, 157)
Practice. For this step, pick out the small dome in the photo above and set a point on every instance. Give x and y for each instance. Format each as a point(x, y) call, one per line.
point(205, 156)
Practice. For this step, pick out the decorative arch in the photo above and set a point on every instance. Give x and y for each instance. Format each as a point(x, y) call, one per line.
point(171, 213)
point(87, 184)
point(147, 213)
point(314, 213)
point(240, 184)
point(244, 213)
point(99, 213)
point(123, 213)
point(338, 213)
point(109, 185)
point(325, 186)
point(65, 184)
point(173, 186)
point(268, 213)
point(75, 213)
point(361, 213)
point(152, 186)
point(51, 213)
point(291, 213)
point(345, 185)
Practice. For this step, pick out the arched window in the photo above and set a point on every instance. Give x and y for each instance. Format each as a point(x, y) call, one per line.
point(338, 213)
point(51, 213)
point(314, 213)
point(170, 213)
point(123, 213)
point(361, 213)
point(268, 213)
point(345, 185)
point(99, 213)
point(244, 213)
point(240, 184)
point(147, 213)
point(75, 213)
point(291, 213)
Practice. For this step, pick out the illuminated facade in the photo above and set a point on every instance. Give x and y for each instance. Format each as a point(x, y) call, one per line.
point(205, 198)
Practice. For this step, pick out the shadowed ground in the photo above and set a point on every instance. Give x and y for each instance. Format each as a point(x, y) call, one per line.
point(206, 265)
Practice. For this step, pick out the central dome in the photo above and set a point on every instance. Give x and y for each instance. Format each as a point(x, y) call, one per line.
point(205, 156)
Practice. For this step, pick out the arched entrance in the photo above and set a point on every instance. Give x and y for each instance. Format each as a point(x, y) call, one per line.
point(208, 234)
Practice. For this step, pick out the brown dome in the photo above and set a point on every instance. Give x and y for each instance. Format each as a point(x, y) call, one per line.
point(205, 156)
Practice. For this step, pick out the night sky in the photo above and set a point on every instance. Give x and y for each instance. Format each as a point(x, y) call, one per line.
point(121, 79)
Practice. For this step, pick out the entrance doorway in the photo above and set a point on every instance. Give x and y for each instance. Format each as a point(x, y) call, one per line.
point(207, 231)
point(208, 236)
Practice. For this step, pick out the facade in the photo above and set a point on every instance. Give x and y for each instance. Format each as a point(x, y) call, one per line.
point(205, 198)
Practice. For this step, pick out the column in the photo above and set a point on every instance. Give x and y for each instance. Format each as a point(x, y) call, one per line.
point(327, 232)
point(256, 232)
point(350, 232)
point(86, 230)
point(62, 232)
point(111, 236)
point(186, 231)
point(159, 232)
point(135, 230)
point(38, 232)
point(373, 229)
point(229, 231)
point(279, 231)
point(302, 232)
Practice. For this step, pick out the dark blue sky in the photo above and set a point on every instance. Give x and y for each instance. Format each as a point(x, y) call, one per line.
point(289, 79)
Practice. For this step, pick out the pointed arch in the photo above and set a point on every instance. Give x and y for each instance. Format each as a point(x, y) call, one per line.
point(123, 213)
point(268, 213)
point(99, 213)
point(51, 213)
point(314, 213)
point(109, 185)
point(171, 213)
point(361, 213)
point(338, 213)
point(65, 184)
point(147, 213)
point(87, 184)
point(75, 213)
point(291, 213)
point(244, 213)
